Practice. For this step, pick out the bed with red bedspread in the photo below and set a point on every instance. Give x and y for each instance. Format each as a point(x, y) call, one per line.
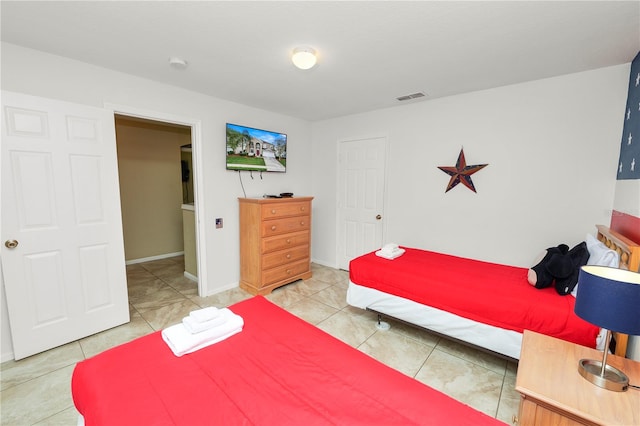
point(490, 293)
point(485, 304)
point(279, 370)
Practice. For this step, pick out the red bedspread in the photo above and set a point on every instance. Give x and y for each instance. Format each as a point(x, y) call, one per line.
point(490, 293)
point(279, 370)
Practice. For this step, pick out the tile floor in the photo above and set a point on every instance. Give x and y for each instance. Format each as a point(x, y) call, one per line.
point(36, 390)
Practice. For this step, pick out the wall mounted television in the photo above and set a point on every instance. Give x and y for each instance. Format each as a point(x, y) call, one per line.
point(255, 149)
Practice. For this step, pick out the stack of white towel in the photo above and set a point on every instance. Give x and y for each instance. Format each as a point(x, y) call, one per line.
point(390, 251)
point(202, 328)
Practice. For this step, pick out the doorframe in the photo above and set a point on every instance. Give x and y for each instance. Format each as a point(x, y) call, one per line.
point(339, 182)
point(198, 188)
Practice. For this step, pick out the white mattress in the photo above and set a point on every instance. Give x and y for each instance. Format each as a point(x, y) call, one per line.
point(505, 342)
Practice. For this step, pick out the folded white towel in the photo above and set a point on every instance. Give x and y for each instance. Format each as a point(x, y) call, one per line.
point(390, 256)
point(182, 342)
point(205, 314)
point(194, 326)
point(390, 248)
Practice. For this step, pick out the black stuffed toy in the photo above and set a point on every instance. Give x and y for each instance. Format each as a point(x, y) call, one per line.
point(560, 267)
point(578, 255)
point(540, 276)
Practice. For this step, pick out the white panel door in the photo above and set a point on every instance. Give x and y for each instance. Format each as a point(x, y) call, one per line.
point(361, 171)
point(62, 244)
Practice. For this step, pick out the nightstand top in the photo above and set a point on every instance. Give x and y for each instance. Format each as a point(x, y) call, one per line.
point(548, 373)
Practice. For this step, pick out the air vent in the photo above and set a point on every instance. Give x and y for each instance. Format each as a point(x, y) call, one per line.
point(411, 96)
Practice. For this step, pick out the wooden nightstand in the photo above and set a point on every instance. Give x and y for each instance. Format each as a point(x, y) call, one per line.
point(553, 392)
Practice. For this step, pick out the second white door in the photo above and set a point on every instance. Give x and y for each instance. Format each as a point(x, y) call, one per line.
point(361, 177)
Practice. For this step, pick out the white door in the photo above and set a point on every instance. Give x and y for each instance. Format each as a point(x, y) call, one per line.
point(62, 246)
point(361, 171)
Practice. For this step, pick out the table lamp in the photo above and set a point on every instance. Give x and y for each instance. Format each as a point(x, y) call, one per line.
point(609, 298)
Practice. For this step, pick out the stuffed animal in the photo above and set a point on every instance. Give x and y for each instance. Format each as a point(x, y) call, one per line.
point(560, 267)
point(540, 276)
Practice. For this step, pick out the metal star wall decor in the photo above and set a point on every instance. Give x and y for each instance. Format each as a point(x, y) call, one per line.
point(461, 173)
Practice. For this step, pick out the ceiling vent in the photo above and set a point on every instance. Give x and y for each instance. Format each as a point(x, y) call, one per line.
point(411, 96)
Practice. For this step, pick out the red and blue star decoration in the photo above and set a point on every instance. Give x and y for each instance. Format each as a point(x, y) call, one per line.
point(461, 173)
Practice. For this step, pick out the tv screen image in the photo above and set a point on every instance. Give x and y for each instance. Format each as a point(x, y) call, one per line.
point(255, 149)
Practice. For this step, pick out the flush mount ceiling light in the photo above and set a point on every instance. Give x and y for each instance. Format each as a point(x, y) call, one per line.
point(304, 57)
point(177, 63)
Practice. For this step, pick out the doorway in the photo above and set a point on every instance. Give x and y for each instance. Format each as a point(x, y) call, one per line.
point(154, 176)
point(156, 193)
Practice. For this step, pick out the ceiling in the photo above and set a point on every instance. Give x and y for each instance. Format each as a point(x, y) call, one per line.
point(370, 52)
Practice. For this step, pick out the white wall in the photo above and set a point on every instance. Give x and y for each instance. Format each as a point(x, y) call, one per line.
point(552, 147)
point(36, 73)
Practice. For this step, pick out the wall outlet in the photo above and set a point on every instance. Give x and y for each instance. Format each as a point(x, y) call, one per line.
point(218, 222)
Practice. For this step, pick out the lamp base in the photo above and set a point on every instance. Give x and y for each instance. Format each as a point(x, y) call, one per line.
point(614, 379)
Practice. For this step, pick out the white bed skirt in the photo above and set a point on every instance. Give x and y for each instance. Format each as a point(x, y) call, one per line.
point(505, 342)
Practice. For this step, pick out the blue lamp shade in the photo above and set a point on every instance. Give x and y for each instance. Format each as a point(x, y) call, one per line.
point(609, 298)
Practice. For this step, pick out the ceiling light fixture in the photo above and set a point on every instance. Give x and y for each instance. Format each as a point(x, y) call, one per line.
point(177, 63)
point(304, 57)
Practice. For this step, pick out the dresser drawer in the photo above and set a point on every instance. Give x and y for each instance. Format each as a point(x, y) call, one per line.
point(280, 242)
point(282, 226)
point(283, 257)
point(275, 211)
point(284, 272)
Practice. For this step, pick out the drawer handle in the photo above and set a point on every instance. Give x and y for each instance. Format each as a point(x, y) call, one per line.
point(288, 271)
point(273, 211)
point(288, 256)
point(288, 241)
point(302, 208)
point(302, 223)
point(273, 227)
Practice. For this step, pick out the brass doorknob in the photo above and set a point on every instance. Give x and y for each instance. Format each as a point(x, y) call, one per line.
point(378, 217)
point(11, 244)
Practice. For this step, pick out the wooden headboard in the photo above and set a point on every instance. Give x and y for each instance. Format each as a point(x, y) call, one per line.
point(629, 252)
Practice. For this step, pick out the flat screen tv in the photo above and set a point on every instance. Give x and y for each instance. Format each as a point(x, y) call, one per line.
point(255, 149)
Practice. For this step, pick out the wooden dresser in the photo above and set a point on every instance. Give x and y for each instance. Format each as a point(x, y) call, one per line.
point(554, 393)
point(275, 242)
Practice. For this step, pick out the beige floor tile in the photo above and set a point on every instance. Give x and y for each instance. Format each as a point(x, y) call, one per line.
point(311, 311)
point(182, 285)
point(351, 329)
point(16, 372)
point(164, 267)
point(463, 380)
point(163, 296)
point(139, 276)
point(222, 299)
point(474, 355)
point(68, 417)
point(333, 296)
point(287, 295)
point(309, 287)
point(329, 275)
point(509, 400)
point(168, 315)
point(141, 290)
point(413, 332)
point(37, 399)
point(99, 342)
point(402, 353)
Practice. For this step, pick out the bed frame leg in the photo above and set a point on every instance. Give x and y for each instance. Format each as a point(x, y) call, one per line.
point(382, 325)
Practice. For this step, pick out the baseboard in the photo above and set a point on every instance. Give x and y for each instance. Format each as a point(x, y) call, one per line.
point(158, 257)
point(7, 356)
point(225, 288)
point(325, 263)
point(190, 276)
